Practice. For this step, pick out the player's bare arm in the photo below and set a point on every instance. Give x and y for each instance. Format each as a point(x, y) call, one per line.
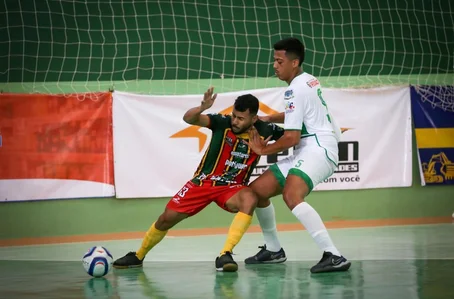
point(194, 115)
point(290, 139)
point(274, 118)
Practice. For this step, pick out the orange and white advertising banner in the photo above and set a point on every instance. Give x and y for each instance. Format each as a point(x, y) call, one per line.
point(156, 152)
point(55, 146)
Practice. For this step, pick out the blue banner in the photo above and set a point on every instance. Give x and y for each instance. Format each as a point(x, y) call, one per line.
point(433, 116)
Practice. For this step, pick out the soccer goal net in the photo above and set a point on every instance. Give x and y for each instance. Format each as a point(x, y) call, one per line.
point(177, 46)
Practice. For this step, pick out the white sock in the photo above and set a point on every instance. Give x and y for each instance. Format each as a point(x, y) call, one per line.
point(314, 225)
point(267, 222)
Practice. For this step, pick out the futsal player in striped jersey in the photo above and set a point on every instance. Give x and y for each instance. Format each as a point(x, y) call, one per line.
point(221, 177)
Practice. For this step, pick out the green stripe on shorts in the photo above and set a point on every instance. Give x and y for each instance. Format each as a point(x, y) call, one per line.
point(318, 143)
point(278, 174)
point(304, 176)
point(326, 151)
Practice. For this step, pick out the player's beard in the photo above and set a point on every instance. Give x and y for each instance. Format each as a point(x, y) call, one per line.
point(236, 130)
point(241, 131)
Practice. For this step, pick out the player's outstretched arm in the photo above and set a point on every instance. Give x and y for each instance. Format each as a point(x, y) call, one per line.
point(194, 115)
point(288, 140)
point(274, 118)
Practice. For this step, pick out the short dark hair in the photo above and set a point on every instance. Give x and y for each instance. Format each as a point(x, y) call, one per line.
point(245, 102)
point(292, 46)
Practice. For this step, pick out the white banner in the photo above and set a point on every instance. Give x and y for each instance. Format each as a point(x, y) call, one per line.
point(375, 149)
point(44, 189)
point(156, 152)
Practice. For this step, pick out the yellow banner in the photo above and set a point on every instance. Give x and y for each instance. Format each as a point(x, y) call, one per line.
point(435, 138)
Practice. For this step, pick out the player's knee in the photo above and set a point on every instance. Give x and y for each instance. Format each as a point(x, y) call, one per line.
point(164, 222)
point(244, 202)
point(292, 197)
point(234, 208)
point(248, 202)
point(169, 219)
point(263, 202)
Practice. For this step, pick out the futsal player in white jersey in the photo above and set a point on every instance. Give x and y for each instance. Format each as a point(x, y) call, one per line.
point(312, 130)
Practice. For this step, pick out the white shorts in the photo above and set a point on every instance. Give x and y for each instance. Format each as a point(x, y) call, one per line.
point(312, 161)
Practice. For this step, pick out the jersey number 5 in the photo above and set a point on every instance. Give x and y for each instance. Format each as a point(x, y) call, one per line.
point(319, 93)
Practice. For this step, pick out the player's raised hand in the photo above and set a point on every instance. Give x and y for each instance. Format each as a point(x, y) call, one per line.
point(256, 143)
point(208, 99)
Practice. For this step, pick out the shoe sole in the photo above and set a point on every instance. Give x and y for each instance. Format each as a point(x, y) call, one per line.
point(127, 267)
point(228, 268)
point(341, 268)
point(275, 261)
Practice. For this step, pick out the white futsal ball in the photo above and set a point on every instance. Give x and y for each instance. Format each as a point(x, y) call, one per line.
point(97, 261)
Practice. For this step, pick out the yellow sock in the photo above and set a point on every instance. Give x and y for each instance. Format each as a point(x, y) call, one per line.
point(239, 226)
point(152, 237)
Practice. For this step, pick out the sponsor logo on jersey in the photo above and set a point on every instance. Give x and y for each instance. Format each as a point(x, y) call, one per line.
point(240, 155)
point(312, 82)
point(289, 107)
point(288, 94)
point(242, 144)
point(229, 140)
point(219, 178)
point(235, 165)
point(201, 177)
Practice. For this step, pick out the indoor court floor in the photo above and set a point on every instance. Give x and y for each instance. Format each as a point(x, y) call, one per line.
point(389, 262)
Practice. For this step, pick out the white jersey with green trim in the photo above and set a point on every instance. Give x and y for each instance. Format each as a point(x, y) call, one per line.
point(306, 110)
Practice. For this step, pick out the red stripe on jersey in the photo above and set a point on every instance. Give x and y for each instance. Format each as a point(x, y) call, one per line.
point(225, 155)
point(242, 175)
